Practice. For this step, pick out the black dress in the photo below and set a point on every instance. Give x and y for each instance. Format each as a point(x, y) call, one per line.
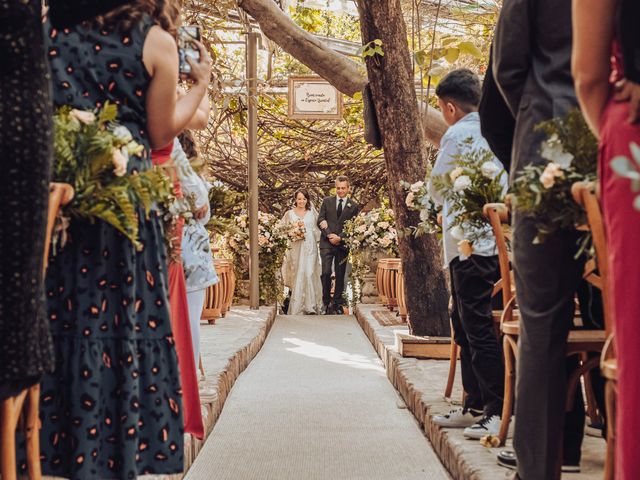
point(112, 408)
point(25, 150)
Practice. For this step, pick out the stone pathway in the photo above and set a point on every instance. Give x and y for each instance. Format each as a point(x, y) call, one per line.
point(316, 404)
point(421, 384)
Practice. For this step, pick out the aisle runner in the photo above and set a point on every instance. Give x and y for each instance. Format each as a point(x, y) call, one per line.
point(316, 404)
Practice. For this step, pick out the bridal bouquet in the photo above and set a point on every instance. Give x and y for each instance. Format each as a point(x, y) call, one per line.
point(297, 231)
point(91, 153)
point(544, 191)
point(475, 180)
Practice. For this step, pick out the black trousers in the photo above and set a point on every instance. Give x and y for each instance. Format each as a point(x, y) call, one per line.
point(482, 365)
point(327, 256)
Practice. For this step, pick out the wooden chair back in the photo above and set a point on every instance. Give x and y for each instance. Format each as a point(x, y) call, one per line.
point(597, 270)
point(498, 216)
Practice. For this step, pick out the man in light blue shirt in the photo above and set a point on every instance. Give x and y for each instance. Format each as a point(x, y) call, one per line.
point(473, 271)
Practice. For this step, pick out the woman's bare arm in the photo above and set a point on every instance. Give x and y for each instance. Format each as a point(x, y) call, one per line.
point(593, 31)
point(166, 116)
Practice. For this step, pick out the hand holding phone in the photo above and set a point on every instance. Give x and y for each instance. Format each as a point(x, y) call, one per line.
point(195, 62)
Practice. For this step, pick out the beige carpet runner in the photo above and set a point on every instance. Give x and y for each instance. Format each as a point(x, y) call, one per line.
point(316, 404)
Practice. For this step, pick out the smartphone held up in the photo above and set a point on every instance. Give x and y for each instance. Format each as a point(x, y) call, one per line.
point(187, 47)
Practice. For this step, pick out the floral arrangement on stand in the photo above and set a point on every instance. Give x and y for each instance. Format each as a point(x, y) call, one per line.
point(91, 153)
point(544, 191)
point(476, 179)
point(273, 240)
point(418, 199)
point(369, 236)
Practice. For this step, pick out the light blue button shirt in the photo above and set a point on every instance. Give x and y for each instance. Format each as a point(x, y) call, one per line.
point(452, 145)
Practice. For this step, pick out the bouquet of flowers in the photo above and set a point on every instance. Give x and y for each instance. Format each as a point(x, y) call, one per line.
point(418, 198)
point(373, 230)
point(297, 231)
point(476, 180)
point(91, 153)
point(544, 191)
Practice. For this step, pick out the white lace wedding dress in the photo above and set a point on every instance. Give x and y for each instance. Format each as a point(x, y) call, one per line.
point(301, 268)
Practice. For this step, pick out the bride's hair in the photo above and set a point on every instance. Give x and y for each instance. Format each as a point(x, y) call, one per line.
point(306, 195)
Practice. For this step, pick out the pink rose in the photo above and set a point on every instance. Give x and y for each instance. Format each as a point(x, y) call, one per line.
point(83, 116)
point(549, 175)
point(120, 162)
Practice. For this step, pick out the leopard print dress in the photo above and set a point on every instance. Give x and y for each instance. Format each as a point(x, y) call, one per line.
point(113, 407)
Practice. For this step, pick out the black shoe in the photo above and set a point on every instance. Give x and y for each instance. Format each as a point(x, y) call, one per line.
point(507, 459)
point(328, 310)
point(338, 309)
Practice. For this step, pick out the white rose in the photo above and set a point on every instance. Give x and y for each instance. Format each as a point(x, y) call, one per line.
point(83, 116)
point(461, 183)
point(424, 215)
point(122, 133)
point(489, 169)
point(120, 161)
point(552, 150)
point(383, 225)
point(457, 232)
point(455, 173)
point(415, 187)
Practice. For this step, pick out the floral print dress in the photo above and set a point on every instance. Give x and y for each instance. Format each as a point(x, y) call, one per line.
point(112, 408)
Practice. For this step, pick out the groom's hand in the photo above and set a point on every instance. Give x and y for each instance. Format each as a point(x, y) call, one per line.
point(323, 224)
point(334, 239)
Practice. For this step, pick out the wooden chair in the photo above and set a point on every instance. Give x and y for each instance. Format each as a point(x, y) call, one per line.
point(26, 403)
point(497, 214)
point(579, 342)
point(584, 193)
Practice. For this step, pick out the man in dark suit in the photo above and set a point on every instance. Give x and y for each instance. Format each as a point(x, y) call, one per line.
point(496, 120)
point(335, 210)
point(531, 66)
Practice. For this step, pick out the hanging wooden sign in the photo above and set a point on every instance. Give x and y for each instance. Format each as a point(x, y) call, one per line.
point(313, 98)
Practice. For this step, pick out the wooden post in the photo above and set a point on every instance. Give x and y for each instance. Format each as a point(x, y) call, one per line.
point(252, 107)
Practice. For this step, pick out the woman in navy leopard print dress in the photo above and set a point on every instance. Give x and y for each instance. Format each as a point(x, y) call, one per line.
point(112, 408)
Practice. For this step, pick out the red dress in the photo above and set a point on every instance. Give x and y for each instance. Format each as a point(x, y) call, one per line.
point(179, 310)
point(622, 223)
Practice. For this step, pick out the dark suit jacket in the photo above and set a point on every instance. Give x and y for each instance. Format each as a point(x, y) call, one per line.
point(629, 14)
point(328, 212)
point(496, 121)
point(532, 69)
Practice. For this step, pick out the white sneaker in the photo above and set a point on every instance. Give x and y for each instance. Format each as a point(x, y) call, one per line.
point(486, 426)
point(457, 418)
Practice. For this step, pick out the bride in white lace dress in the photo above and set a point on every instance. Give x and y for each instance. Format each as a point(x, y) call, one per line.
point(301, 268)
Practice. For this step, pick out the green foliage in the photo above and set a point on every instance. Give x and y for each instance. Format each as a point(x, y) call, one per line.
point(371, 49)
point(544, 191)
point(84, 149)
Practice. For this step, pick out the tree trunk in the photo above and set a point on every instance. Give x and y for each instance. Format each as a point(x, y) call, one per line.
point(341, 72)
point(394, 98)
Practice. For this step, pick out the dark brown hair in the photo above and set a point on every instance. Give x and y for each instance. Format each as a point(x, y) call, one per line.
point(306, 195)
point(189, 144)
point(343, 178)
point(165, 13)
